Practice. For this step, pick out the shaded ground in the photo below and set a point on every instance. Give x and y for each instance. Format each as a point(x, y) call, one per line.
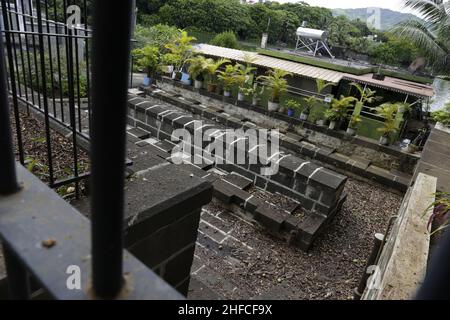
point(35, 152)
point(254, 264)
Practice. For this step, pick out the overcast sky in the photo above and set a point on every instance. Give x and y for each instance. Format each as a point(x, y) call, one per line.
point(389, 4)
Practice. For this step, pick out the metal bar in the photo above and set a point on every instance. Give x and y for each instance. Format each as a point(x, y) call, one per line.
point(58, 56)
point(17, 276)
point(19, 89)
point(44, 93)
point(73, 124)
point(22, 61)
point(77, 74)
point(8, 178)
point(33, 41)
point(108, 138)
point(45, 20)
point(88, 80)
point(66, 181)
point(18, 281)
point(49, 43)
point(27, 48)
point(372, 260)
point(6, 125)
point(47, 34)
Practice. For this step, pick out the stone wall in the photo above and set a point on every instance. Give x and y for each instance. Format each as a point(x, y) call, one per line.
point(385, 157)
point(316, 188)
point(403, 260)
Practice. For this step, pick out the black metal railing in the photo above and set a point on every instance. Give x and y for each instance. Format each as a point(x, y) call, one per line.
point(49, 74)
point(30, 212)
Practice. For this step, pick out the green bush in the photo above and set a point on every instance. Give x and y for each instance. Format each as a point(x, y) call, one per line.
point(54, 87)
point(226, 39)
point(157, 35)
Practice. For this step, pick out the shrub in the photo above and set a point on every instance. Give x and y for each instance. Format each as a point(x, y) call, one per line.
point(442, 115)
point(225, 39)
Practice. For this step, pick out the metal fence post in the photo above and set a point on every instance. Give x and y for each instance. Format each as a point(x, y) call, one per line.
point(110, 61)
point(8, 178)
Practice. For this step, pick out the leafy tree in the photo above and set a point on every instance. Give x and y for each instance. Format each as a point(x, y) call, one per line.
point(226, 39)
point(431, 34)
point(157, 35)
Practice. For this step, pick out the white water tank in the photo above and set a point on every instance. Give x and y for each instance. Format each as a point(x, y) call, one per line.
point(312, 33)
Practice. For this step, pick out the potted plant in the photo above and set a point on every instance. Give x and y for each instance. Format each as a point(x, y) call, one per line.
point(211, 68)
point(254, 92)
point(332, 116)
point(147, 58)
point(353, 124)
point(197, 68)
point(181, 49)
point(387, 111)
point(293, 106)
point(277, 85)
point(243, 78)
point(320, 121)
point(227, 78)
point(170, 63)
point(339, 110)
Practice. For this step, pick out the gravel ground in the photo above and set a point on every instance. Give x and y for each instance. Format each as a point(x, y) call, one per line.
point(35, 152)
point(330, 270)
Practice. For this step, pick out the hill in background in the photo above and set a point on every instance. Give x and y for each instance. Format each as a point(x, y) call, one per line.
point(388, 17)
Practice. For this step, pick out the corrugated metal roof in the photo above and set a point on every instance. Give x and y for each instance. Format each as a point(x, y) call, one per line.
point(394, 84)
point(270, 62)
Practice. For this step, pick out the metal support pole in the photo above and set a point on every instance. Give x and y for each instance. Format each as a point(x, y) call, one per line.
point(110, 60)
point(8, 178)
point(377, 242)
point(18, 284)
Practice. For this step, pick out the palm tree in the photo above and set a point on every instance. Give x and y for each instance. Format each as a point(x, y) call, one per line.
point(211, 68)
point(431, 33)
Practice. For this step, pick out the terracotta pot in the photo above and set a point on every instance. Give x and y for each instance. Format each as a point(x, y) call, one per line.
point(211, 87)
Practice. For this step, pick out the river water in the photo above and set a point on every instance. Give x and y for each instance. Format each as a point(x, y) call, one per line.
point(442, 94)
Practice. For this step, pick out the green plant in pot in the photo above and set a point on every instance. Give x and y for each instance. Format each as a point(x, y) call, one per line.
point(211, 68)
point(243, 77)
point(169, 63)
point(312, 101)
point(182, 47)
point(353, 124)
point(387, 111)
point(147, 58)
point(293, 107)
point(277, 85)
point(197, 69)
point(339, 111)
point(255, 92)
point(227, 77)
